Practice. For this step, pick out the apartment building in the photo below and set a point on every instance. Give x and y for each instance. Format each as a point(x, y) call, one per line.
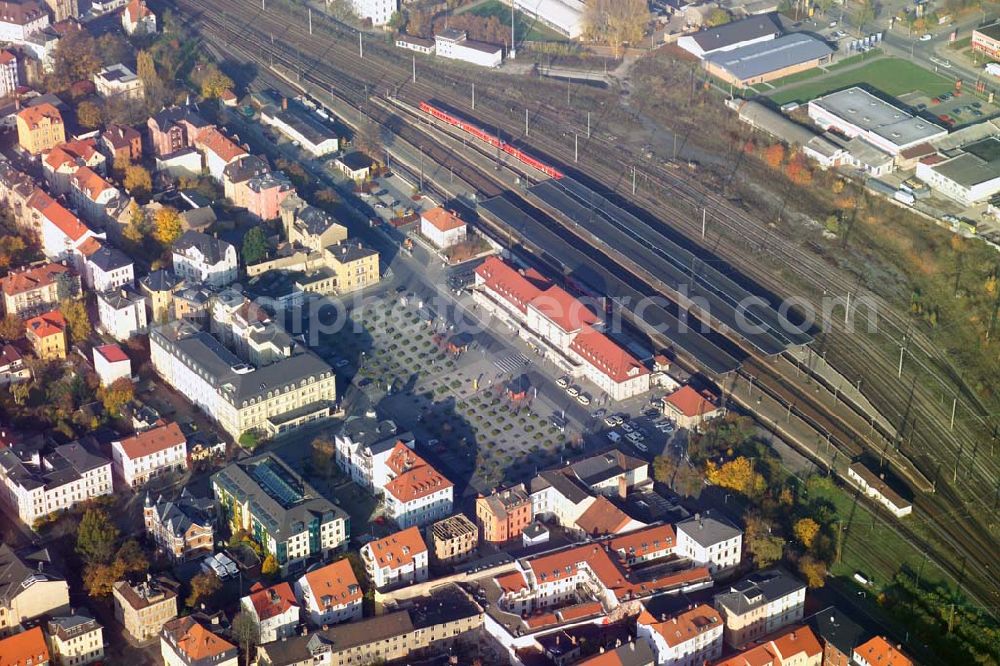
point(261, 195)
point(63, 161)
point(107, 268)
point(200, 258)
point(186, 642)
point(61, 233)
point(9, 78)
point(181, 528)
point(760, 604)
point(47, 335)
point(122, 313)
point(453, 540)
point(93, 196)
point(416, 493)
point(503, 515)
point(378, 11)
point(12, 367)
point(711, 541)
point(434, 622)
point(330, 594)
point(174, 129)
point(218, 151)
point(40, 128)
point(354, 266)
point(396, 560)
point(795, 646)
point(688, 638)
point(34, 289)
point(309, 227)
point(26, 648)
point(275, 610)
point(270, 400)
point(122, 143)
point(363, 446)
point(111, 364)
point(878, 651)
point(37, 483)
point(138, 19)
point(158, 287)
point(29, 588)
point(75, 639)
point(149, 454)
point(282, 512)
point(143, 609)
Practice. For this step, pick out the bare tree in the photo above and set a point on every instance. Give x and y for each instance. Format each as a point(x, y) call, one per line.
point(246, 631)
point(616, 22)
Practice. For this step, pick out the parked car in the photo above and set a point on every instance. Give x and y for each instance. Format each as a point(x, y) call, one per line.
point(614, 437)
point(627, 427)
point(562, 382)
point(926, 37)
point(573, 391)
point(598, 413)
point(634, 437)
point(583, 398)
point(610, 421)
point(639, 445)
point(619, 419)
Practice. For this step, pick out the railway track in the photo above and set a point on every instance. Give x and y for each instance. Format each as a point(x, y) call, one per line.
point(390, 77)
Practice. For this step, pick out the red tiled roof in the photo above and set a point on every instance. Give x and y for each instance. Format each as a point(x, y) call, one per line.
point(151, 441)
point(57, 214)
point(883, 653)
point(602, 517)
point(72, 152)
point(272, 601)
point(397, 550)
point(798, 640)
point(90, 246)
point(137, 9)
point(215, 141)
point(414, 477)
point(18, 282)
point(690, 402)
point(195, 641)
point(120, 136)
point(685, 626)
point(501, 278)
point(442, 220)
point(562, 308)
point(512, 582)
point(641, 543)
point(44, 325)
point(791, 643)
point(33, 115)
point(606, 355)
point(27, 647)
point(90, 183)
point(112, 353)
point(334, 585)
point(7, 57)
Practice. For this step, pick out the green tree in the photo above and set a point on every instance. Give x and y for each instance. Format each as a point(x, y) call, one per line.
point(249, 440)
point(204, 586)
point(397, 21)
point(717, 17)
point(96, 537)
point(77, 320)
point(138, 181)
point(167, 225)
point(254, 246)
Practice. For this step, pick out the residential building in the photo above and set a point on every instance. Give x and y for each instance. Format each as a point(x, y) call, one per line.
point(608, 365)
point(149, 454)
point(355, 165)
point(379, 12)
point(174, 129)
point(62, 234)
point(16, 190)
point(218, 150)
point(28, 589)
point(9, 78)
point(158, 287)
point(330, 594)
point(710, 541)
point(414, 43)
point(838, 634)
point(689, 408)
point(63, 9)
point(111, 364)
point(122, 313)
point(47, 335)
point(63, 161)
point(138, 18)
point(186, 642)
point(880, 652)
point(26, 648)
point(688, 638)
point(396, 560)
point(118, 82)
point(760, 604)
point(12, 367)
point(39, 128)
point(416, 493)
point(181, 528)
point(21, 20)
point(262, 195)
point(268, 400)
point(456, 45)
point(241, 170)
point(106, 268)
point(94, 197)
point(183, 162)
point(503, 515)
point(354, 266)
point(198, 257)
point(363, 446)
point(435, 622)
point(876, 488)
point(282, 512)
point(122, 143)
point(247, 329)
point(303, 126)
point(75, 639)
point(857, 113)
point(442, 228)
point(453, 540)
point(563, 16)
point(143, 609)
point(633, 653)
point(603, 518)
point(769, 60)
point(30, 290)
point(731, 36)
point(986, 40)
point(795, 646)
point(36, 483)
point(275, 609)
point(309, 227)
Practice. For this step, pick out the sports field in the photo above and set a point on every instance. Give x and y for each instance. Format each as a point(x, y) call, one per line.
point(892, 76)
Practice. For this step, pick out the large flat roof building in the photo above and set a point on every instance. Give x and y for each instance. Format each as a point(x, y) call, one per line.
point(563, 16)
point(768, 60)
point(969, 174)
point(751, 30)
point(855, 112)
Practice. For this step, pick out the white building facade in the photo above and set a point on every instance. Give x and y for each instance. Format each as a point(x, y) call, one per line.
point(202, 258)
point(379, 11)
point(691, 638)
point(148, 454)
point(710, 542)
point(122, 313)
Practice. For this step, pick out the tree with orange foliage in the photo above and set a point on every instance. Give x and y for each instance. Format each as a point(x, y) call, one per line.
point(798, 171)
point(774, 155)
point(813, 570)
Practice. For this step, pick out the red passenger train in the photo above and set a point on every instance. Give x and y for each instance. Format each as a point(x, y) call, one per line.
point(482, 135)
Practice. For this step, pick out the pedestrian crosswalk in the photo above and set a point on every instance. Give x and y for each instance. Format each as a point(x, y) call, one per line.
point(513, 363)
